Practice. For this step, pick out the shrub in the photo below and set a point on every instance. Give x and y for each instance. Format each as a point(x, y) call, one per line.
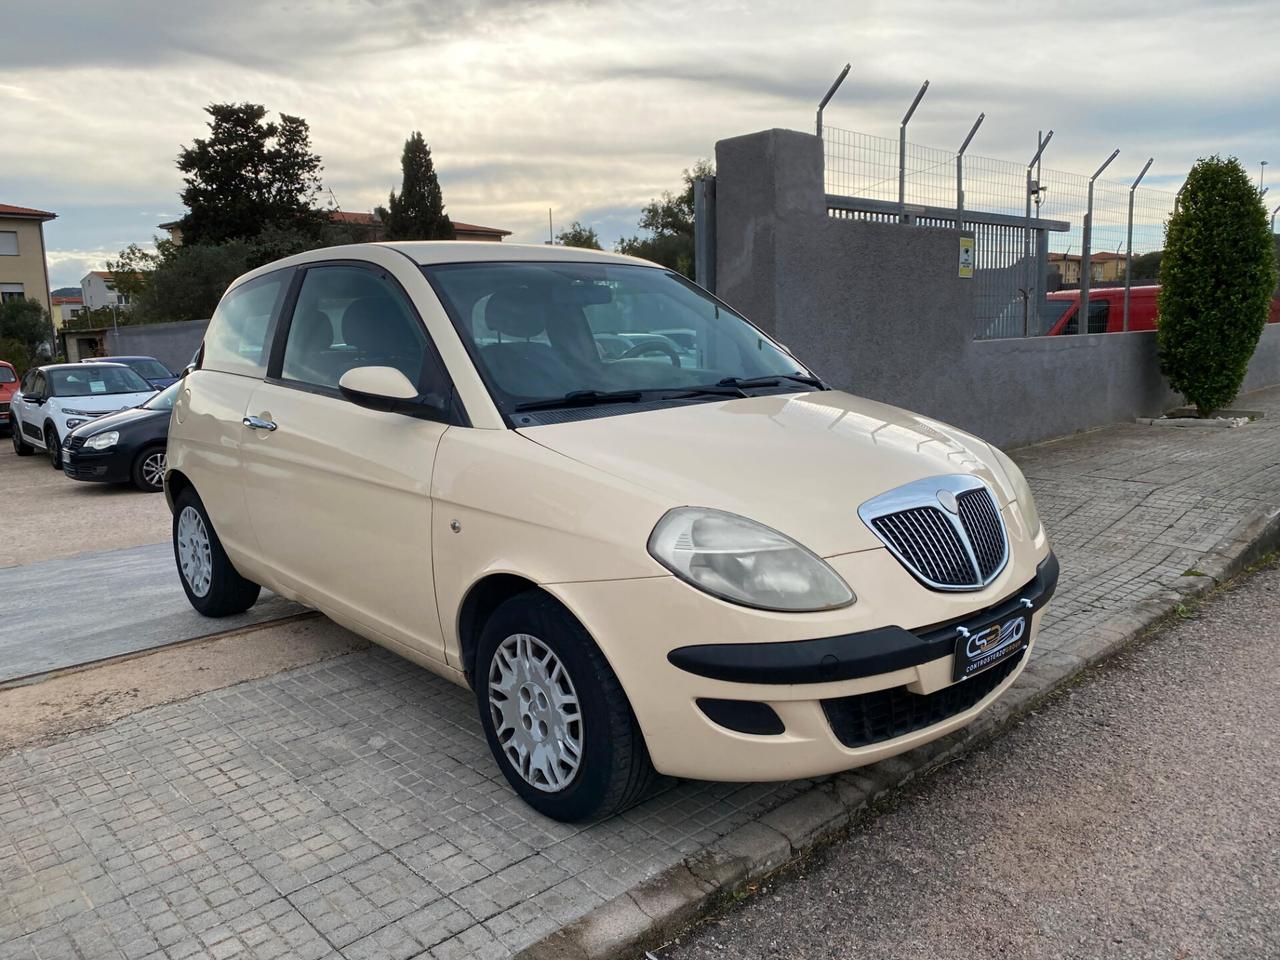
point(1216, 280)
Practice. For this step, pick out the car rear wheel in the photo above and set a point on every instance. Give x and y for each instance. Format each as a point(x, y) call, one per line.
point(20, 446)
point(53, 446)
point(214, 587)
point(555, 715)
point(148, 470)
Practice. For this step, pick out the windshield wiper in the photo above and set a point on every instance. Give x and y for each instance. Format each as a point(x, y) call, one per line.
point(582, 398)
point(771, 381)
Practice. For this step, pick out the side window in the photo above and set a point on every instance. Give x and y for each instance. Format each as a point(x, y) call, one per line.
point(29, 383)
point(348, 317)
point(1099, 310)
point(38, 388)
point(237, 340)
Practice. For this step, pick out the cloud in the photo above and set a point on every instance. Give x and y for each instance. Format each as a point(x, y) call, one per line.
point(593, 108)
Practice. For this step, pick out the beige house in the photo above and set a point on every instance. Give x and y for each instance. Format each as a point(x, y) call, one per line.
point(461, 231)
point(24, 271)
point(65, 309)
point(1104, 267)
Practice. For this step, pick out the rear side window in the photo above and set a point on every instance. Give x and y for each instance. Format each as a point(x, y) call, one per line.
point(238, 339)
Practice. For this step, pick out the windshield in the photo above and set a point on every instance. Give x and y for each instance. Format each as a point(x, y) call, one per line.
point(6, 375)
point(151, 369)
point(1053, 311)
point(92, 381)
point(545, 331)
point(164, 399)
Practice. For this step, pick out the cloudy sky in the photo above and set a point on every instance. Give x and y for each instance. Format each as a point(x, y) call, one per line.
point(591, 108)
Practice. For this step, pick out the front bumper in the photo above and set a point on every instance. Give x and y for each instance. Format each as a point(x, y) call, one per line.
point(95, 466)
point(862, 692)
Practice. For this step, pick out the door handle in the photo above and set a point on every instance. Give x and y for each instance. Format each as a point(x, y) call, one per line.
point(257, 423)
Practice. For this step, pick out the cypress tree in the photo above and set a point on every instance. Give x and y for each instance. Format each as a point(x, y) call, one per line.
point(417, 213)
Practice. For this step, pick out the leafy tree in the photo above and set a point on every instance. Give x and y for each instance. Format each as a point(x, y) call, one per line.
point(669, 223)
point(248, 175)
point(579, 236)
point(1146, 266)
point(25, 321)
point(1216, 278)
point(18, 353)
point(417, 213)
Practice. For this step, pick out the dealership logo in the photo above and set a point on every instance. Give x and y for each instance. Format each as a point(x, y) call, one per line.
point(995, 637)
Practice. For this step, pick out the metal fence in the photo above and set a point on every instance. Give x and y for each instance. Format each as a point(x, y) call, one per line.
point(1026, 222)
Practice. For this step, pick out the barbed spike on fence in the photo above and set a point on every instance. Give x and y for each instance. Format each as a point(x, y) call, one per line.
point(831, 93)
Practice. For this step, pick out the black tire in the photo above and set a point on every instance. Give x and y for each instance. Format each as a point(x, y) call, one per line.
point(614, 771)
point(20, 446)
point(227, 592)
point(145, 468)
point(54, 449)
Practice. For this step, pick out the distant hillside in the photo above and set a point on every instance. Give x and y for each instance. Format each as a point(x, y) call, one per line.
point(65, 292)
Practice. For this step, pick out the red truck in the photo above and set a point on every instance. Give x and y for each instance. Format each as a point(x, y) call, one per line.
point(1106, 310)
point(8, 387)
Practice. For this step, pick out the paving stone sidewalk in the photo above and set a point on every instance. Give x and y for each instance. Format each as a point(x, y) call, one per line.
point(351, 809)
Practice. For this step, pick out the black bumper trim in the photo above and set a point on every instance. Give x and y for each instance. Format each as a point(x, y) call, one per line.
point(854, 655)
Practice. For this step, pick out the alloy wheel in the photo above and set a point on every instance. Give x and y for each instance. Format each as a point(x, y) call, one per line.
point(536, 715)
point(195, 554)
point(153, 469)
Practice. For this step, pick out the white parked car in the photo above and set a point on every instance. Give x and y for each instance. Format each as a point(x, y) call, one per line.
point(695, 558)
point(57, 398)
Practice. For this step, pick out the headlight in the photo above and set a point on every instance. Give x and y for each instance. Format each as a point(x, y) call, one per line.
point(1021, 492)
point(103, 441)
point(73, 423)
point(745, 562)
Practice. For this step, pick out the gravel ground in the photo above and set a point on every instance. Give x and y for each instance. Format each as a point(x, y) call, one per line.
point(45, 515)
point(1136, 814)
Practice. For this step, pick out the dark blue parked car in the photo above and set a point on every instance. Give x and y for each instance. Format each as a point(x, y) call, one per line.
point(148, 368)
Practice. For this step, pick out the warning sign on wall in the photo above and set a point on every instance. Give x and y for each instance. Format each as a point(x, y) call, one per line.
point(966, 257)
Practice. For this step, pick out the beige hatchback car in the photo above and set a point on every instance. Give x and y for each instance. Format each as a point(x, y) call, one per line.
point(644, 534)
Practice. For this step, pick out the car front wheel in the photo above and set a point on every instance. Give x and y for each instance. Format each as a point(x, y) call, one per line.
point(555, 715)
point(148, 470)
point(53, 446)
point(212, 584)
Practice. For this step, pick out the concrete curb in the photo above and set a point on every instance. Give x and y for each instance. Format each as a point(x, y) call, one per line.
point(648, 914)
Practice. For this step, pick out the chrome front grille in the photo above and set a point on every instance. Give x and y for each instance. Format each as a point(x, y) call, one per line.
point(947, 531)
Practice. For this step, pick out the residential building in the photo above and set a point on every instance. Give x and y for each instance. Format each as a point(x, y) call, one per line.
point(1104, 267)
point(472, 231)
point(24, 271)
point(98, 290)
point(370, 221)
point(64, 309)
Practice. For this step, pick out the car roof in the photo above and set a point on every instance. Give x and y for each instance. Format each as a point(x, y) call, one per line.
point(115, 359)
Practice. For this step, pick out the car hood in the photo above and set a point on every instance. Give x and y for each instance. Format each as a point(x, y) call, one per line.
point(105, 403)
point(121, 420)
point(801, 464)
point(161, 382)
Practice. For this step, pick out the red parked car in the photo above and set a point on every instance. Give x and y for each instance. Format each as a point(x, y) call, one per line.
point(1106, 310)
point(8, 387)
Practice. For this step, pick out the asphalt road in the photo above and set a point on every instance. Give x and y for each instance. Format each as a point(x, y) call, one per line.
point(1135, 815)
point(65, 612)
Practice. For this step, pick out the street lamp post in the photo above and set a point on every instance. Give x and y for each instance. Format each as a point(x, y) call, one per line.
point(1262, 173)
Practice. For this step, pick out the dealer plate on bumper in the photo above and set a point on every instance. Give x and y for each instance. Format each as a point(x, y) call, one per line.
point(983, 647)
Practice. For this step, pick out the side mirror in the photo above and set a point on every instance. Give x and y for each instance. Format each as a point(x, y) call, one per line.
point(380, 388)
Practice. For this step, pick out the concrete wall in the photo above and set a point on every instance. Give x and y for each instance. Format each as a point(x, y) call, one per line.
point(173, 344)
point(880, 310)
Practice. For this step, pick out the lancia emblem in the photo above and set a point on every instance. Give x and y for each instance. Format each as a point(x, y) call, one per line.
point(948, 501)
